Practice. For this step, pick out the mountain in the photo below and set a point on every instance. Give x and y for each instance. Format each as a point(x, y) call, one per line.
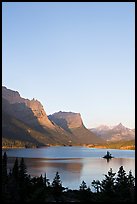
point(67, 120)
point(114, 133)
point(72, 123)
point(16, 131)
point(28, 111)
point(25, 122)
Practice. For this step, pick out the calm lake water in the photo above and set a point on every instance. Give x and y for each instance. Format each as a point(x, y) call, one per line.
point(74, 164)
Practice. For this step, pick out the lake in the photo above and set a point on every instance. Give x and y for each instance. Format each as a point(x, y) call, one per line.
point(74, 164)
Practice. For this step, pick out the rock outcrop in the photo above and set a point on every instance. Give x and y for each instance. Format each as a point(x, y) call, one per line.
point(67, 120)
point(12, 96)
point(26, 121)
point(29, 111)
point(72, 123)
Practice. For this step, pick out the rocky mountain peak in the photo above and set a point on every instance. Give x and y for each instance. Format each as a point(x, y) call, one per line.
point(11, 96)
point(26, 120)
point(31, 111)
point(120, 127)
point(114, 133)
point(68, 119)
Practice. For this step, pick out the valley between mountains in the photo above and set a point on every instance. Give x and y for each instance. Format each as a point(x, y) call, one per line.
point(26, 124)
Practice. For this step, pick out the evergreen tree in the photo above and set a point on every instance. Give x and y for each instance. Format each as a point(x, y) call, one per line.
point(84, 192)
point(15, 170)
point(121, 180)
point(24, 182)
point(122, 185)
point(4, 178)
point(20, 187)
point(4, 168)
point(46, 181)
point(40, 182)
point(131, 180)
point(97, 185)
point(131, 185)
point(121, 177)
point(57, 187)
point(83, 186)
point(22, 170)
point(57, 182)
point(108, 186)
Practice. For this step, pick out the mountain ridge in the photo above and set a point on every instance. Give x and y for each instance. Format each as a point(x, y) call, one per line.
point(73, 123)
point(114, 133)
point(33, 120)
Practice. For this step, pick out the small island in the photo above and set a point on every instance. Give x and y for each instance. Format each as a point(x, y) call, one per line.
point(108, 156)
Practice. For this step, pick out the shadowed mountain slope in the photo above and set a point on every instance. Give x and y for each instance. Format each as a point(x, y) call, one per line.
point(72, 122)
point(26, 121)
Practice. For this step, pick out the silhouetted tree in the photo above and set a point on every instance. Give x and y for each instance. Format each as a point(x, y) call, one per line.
point(108, 186)
point(57, 187)
point(4, 177)
point(131, 185)
point(46, 181)
point(131, 180)
point(22, 171)
point(84, 192)
point(108, 154)
point(40, 182)
point(15, 170)
point(83, 186)
point(121, 180)
point(97, 185)
point(56, 181)
point(20, 187)
point(121, 177)
point(23, 181)
point(4, 168)
point(122, 185)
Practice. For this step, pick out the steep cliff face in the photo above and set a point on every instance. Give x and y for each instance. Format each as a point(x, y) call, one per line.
point(39, 113)
point(72, 122)
point(28, 111)
point(67, 120)
point(26, 121)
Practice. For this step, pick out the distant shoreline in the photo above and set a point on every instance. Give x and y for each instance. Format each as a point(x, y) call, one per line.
point(130, 147)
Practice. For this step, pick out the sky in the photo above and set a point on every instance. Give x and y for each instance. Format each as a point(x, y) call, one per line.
point(72, 56)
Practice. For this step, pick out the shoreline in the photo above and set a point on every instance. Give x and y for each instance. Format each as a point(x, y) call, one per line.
point(87, 146)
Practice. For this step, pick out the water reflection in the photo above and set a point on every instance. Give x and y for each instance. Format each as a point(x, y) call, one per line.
point(73, 171)
point(96, 168)
point(108, 159)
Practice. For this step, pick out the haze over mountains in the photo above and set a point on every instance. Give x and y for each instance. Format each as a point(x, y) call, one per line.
point(24, 122)
point(114, 133)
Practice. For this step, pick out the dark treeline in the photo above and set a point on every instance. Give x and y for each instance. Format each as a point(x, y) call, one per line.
point(19, 186)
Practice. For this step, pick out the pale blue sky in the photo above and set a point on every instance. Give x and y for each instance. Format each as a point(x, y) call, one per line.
point(77, 57)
